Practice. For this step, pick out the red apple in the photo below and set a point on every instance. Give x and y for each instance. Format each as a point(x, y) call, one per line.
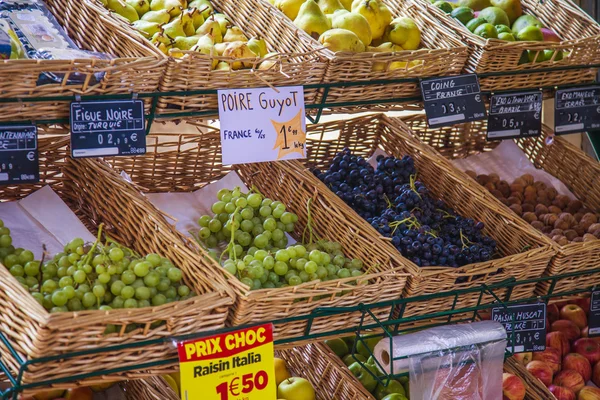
point(559, 341)
point(596, 374)
point(578, 363)
point(513, 387)
point(80, 393)
point(571, 331)
point(583, 302)
point(523, 358)
point(552, 312)
point(575, 314)
point(589, 393)
point(550, 356)
point(540, 370)
point(570, 379)
point(562, 393)
point(589, 348)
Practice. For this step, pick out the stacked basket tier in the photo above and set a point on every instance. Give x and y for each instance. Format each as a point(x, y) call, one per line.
point(523, 253)
point(579, 172)
point(181, 163)
point(99, 196)
point(500, 60)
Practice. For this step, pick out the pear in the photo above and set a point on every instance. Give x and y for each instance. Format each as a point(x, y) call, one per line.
point(146, 28)
point(204, 6)
point(173, 6)
point(341, 40)
point(123, 9)
point(220, 47)
point(383, 48)
point(211, 27)
point(223, 21)
point(312, 20)
point(258, 46)
point(235, 34)
point(206, 45)
point(140, 6)
point(239, 50)
point(376, 13)
point(197, 18)
point(330, 6)
point(185, 43)
point(163, 42)
point(404, 32)
point(174, 28)
point(223, 66)
point(187, 20)
point(353, 22)
point(269, 62)
point(160, 16)
point(289, 7)
point(347, 4)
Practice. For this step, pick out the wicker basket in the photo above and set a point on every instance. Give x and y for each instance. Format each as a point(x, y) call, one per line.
point(187, 162)
point(153, 388)
point(100, 196)
point(297, 65)
point(535, 389)
point(136, 69)
point(579, 172)
point(524, 253)
point(580, 36)
point(441, 54)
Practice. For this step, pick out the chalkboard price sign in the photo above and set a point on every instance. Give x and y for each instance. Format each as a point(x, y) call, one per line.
point(577, 110)
point(18, 155)
point(514, 115)
point(107, 128)
point(525, 323)
point(452, 100)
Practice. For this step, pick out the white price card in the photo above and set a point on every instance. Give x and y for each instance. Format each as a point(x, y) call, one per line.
point(262, 124)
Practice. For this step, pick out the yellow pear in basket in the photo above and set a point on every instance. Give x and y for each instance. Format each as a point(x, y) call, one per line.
point(220, 48)
point(206, 45)
point(383, 48)
point(174, 28)
point(312, 20)
point(185, 43)
point(204, 6)
point(347, 4)
point(341, 40)
point(239, 50)
point(330, 6)
point(353, 22)
point(161, 38)
point(197, 18)
point(123, 9)
point(404, 32)
point(269, 63)
point(187, 22)
point(160, 16)
point(290, 8)
point(148, 29)
point(223, 21)
point(258, 46)
point(377, 13)
point(173, 6)
point(140, 6)
point(223, 66)
point(211, 27)
point(235, 34)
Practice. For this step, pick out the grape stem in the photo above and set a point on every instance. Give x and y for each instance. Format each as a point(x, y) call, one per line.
point(231, 246)
point(387, 200)
point(463, 238)
point(413, 179)
point(308, 223)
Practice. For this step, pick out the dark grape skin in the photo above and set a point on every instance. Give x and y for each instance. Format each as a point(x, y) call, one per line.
point(424, 229)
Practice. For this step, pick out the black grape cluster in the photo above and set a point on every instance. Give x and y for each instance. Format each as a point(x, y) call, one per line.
point(424, 229)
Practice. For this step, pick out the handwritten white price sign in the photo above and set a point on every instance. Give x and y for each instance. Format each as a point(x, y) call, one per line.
point(262, 124)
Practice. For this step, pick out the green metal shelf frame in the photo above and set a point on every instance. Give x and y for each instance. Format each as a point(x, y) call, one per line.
point(397, 323)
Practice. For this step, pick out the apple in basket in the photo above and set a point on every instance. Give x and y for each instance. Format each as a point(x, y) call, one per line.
point(550, 356)
point(562, 393)
point(571, 331)
point(540, 370)
point(575, 314)
point(589, 393)
point(589, 348)
point(570, 379)
point(578, 363)
point(513, 387)
point(559, 341)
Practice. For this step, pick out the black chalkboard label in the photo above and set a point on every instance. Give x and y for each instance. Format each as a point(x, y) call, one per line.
point(18, 155)
point(526, 323)
point(515, 115)
point(594, 318)
point(107, 128)
point(577, 110)
point(452, 100)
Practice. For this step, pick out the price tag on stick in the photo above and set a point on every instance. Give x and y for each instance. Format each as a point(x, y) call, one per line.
point(526, 323)
point(19, 155)
point(452, 100)
point(107, 128)
point(577, 110)
point(594, 318)
point(514, 115)
point(229, 366)
point(263, 124)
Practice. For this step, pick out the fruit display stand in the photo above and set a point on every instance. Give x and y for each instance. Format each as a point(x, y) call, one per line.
point(579, 172)
point(189, 83)
point(523, 252)
point(497, 62)
point(356, 82)
point(187, 162)
point(135, 69)
point(30, 333)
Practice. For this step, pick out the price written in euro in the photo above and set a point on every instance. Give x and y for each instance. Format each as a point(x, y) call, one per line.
point(232, 366)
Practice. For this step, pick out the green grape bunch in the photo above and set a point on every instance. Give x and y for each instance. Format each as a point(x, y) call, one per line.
point(94, 276)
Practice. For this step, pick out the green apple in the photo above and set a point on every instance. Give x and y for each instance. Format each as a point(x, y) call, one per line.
point(393, 387)
point(352, 358)
point(365, 346)
point(395, 396)
point(338, 346)
point(361, 372)
point(295, 388)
